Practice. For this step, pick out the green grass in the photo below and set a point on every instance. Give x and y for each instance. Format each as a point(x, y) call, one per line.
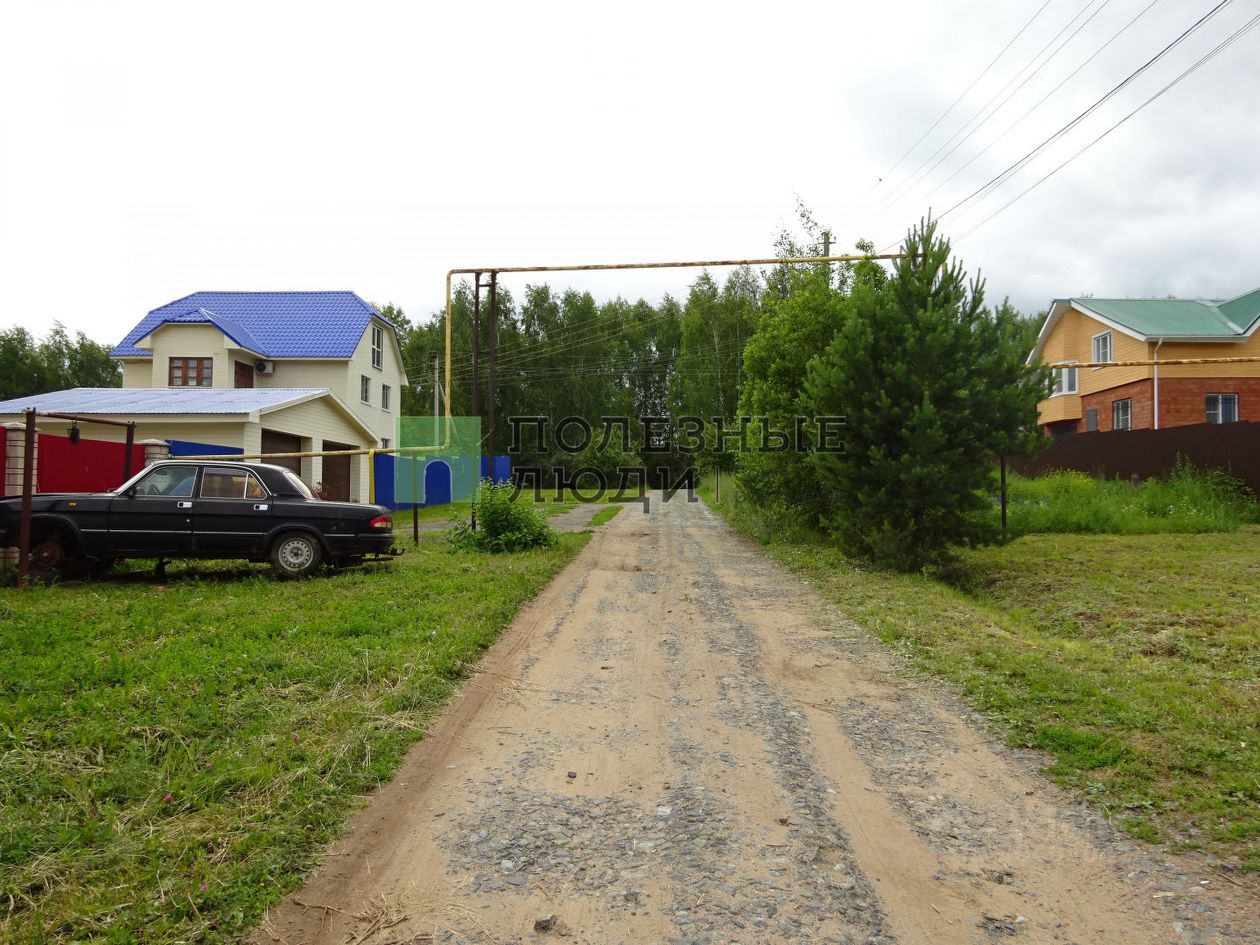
point(1188, 501)
point(1133, 660)
point(173, 755)
point(604, 515)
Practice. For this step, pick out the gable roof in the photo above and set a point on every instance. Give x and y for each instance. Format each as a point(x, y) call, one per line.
point(271, 324)
point(1206, 320)
point(142, 402)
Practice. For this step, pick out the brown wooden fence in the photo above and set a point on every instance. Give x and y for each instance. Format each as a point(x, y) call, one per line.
point(1233, 447)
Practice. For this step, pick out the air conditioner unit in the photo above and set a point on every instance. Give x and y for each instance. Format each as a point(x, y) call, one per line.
point(265, 367)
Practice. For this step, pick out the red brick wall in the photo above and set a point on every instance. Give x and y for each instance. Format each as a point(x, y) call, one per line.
point(1182, 400)
point(1143, 405)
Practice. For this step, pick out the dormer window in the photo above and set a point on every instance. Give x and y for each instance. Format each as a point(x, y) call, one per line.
point(378, 346)
point(190, 372)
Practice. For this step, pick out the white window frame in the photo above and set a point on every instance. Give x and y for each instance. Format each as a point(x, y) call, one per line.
point(1220, 407)
point(1128, 413)
point(378, 347)
point(385, 442)
point(1060, 388)
point(1094, 354)
point(385, 394)
point(365, 389)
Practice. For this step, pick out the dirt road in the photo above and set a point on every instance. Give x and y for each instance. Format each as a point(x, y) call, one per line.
point(680, 742)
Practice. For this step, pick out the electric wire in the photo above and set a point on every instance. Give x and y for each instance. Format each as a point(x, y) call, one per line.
point(1212, 54)
point(947, 111)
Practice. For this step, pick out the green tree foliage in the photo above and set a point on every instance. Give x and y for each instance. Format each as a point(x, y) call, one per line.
point(933, 387)
point(58, 362)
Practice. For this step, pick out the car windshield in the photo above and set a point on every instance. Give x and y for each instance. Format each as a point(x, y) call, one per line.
point(298, 484)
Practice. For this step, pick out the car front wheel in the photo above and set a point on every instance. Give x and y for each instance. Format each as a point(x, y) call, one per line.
point(295, 555)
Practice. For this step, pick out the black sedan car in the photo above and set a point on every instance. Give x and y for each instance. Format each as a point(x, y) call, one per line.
point(190, 509)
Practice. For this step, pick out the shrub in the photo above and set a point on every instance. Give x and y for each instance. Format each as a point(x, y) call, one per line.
point(504, 523)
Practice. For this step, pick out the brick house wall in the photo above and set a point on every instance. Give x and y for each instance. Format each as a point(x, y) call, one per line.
point(1143, 405)
point(1182, 400)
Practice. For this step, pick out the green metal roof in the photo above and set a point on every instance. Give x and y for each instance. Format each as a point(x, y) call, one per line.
point(1168, 318)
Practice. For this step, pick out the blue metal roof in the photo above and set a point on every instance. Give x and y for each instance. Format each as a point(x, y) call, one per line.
point(160, 400)
point(274, 324)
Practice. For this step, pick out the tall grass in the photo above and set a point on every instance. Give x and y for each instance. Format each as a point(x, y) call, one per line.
point(1188, 500)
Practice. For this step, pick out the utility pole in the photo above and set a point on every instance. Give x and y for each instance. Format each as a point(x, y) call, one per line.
point(492, 354)
point(826, 246)
point(476, 345)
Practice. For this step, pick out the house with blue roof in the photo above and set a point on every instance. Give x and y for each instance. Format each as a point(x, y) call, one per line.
point(254, 372)
point(1109, 392)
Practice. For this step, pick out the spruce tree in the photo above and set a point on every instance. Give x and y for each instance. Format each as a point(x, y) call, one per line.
point(933, 388)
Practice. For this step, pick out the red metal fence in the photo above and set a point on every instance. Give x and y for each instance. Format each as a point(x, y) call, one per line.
point(86, 466)
point(1233, 447)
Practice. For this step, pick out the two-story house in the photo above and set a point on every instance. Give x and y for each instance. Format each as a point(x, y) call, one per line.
point(254, 372)
point(1150, 396)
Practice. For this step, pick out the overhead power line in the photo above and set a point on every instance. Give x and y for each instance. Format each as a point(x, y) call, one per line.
point(1015, 91)
point(920, 173)
point(1041, 101)
point(954, 105)
point(1014, 168)
point(1207, 57)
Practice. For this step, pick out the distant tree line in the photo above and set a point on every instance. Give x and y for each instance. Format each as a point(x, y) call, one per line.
point(56, 362)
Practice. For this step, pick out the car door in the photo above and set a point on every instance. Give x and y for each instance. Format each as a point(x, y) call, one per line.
point(155, 515)
point(232, 513)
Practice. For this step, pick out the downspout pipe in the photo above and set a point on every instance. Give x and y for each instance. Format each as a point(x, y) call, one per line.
point(1155, 359)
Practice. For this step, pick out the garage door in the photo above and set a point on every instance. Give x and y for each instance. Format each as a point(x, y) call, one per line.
point(273, 442)
point(337, 472)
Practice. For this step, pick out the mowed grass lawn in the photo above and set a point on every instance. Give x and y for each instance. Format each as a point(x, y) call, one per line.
point(1134, 660)
point(173, 754)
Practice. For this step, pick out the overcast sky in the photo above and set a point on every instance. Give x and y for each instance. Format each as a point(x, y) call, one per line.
point(152, 150)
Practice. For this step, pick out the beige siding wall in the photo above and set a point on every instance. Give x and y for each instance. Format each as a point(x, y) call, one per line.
point(138, 374)
point(342, 378)
point(189, 341)
point(319, 421)
point(1247, 349)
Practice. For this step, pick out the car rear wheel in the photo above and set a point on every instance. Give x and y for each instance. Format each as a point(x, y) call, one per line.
point(295, 555)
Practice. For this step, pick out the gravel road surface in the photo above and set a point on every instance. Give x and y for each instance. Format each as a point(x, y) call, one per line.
point(680, 742)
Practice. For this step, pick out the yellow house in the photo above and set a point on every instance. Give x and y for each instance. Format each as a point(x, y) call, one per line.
point(1089, 330)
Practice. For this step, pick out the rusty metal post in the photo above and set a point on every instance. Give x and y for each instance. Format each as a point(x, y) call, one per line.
point(492, 354)
point(131, 442)
point(28, 487)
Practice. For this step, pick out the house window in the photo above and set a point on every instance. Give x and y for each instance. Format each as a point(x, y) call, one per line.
point(1091, 421)
point(365, 389)
point(1101, 348)
point(1222, 408)
point(1122, 414)
point(378, 345)
point(385, 396)
point(385, 442)
point(1064, 381)
point(190, 372)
